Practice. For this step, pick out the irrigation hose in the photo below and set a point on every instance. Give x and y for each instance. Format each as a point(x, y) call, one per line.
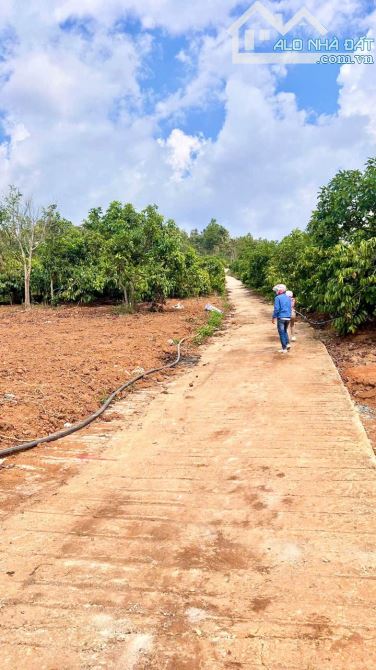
point(317, 323)
point(92, 417)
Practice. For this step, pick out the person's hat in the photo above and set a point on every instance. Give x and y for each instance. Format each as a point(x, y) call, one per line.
point(279, 288)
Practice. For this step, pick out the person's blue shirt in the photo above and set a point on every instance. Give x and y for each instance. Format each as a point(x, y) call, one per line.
point(282, 307)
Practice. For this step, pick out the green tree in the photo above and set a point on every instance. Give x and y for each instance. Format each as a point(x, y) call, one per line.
point(285, 265)
point(346, 209)
point(331, 267)
point(57, 254)
point(11, 275)
point(253, 266)
point(23, 230)
point(215, 268)
point(347, 284)
point(213, 241)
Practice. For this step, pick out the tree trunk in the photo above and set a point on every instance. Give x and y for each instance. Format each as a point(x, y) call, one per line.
point(27, 288)
point(52, 289)
point(131, 292)
point(126, 301)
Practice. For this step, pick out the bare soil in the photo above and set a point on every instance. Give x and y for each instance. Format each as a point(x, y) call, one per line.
point(58, 365)
point(355, 358)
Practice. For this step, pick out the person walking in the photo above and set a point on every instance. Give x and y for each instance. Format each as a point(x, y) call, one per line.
point(293, 315)
point(282, 312)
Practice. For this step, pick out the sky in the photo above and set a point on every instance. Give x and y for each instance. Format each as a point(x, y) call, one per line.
point(139, 101)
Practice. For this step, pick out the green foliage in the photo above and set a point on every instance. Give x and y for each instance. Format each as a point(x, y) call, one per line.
point(214, 323)
point(252, 265)
point(332, 266)
point(11, 275)
point(346, 209)
point(350, 286)
point(119, 254)
point(258, 263)
point(215, 269)
point(284, 262)
point(22, 230)
point(124, 254)
point(213, 241)
point(57, 261)
point(244, 247)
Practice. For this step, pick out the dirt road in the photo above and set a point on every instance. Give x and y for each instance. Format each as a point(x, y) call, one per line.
point(232, 526)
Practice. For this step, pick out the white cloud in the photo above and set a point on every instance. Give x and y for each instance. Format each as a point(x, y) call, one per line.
point(358, 92)
point(152, 13)
point(334, 15)
point(263, 172)
point(182, 150)
point(79, 133)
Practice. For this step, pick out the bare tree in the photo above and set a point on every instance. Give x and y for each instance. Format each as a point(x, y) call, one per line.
point(24, 230)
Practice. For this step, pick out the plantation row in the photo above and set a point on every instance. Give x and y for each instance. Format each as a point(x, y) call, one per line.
point(121, 254)
point(331, 266)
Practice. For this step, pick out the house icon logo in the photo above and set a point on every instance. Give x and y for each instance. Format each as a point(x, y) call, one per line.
point(247, 34)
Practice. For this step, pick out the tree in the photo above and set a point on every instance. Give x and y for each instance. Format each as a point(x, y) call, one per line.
point(57, 258)
point(115, 254)
point(144, 256)
point(259, 255)
point(243, 248)
point(213, 241)
point(346, 209)
point(24, 230)
point(163, 255)
point(285, 266)
point(331, 266)
point(119, 228)
point(347, 289)
point(10, 273)
point(215, 268)
point(54, 251)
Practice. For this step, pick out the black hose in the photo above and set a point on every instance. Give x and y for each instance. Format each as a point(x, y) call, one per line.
point(92, 417)
point(317, 323)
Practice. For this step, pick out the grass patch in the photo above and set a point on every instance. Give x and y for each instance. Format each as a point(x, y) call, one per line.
point(122, 310)
point(214, 323)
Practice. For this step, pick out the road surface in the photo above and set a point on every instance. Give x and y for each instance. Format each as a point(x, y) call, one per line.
point(231, 526)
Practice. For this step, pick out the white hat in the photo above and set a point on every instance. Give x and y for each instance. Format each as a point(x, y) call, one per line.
point(279, 287)
point(290, 294)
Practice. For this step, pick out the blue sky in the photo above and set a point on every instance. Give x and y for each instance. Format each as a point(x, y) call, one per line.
point(140, 101)
point(316, 87)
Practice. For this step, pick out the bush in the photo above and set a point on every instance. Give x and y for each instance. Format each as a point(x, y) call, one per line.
point(215, 269)
point(214, 322)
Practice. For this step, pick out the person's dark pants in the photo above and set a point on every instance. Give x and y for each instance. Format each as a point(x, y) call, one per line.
point(282, 325)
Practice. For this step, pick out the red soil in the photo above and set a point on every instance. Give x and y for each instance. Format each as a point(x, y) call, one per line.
point(57, 365)
point(355, 357)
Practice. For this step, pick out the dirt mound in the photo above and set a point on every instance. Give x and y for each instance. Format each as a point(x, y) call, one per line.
point(362, 381)
point(355, 357)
